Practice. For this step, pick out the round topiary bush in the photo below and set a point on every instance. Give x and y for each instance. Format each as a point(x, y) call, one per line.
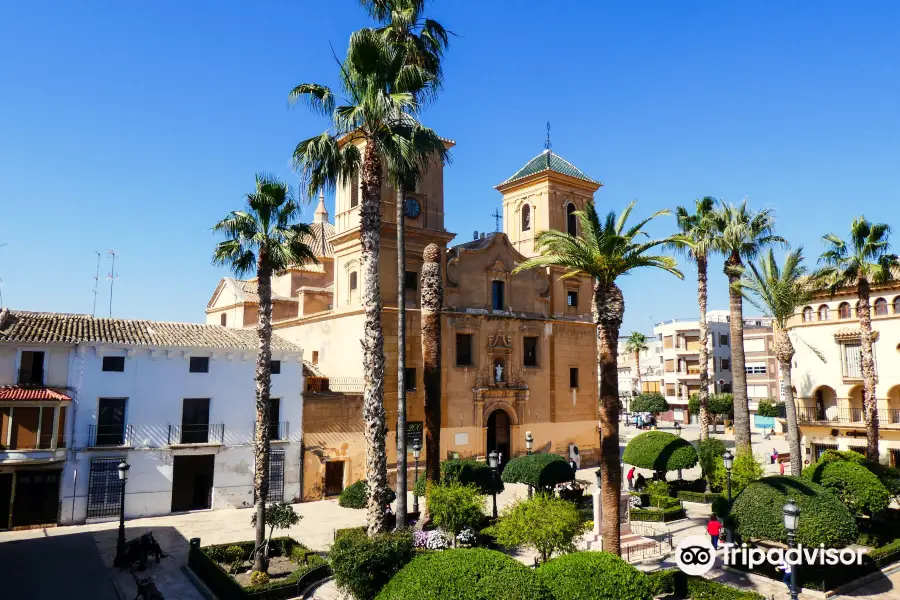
point(465, 574)
point(758, 512)
point(355, 495)
point(854, 484)
point(660, 451)
point(651, 402)
point(595, 575)
point(539, 470)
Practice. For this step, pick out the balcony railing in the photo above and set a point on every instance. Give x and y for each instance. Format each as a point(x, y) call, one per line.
point(197, 433)
point(109, 435)
point(343, 385)
point(30, 377)
point(280, 431)
point(831, 415)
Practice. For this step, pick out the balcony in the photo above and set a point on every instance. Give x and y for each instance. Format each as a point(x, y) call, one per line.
point(109, 436)
point(845, 416)
point(340, 385)
point(278, 432)
point(196, 433)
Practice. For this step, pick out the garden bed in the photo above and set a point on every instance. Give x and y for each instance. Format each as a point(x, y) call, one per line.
point(292, 568)
point(700, 497)
point(658, 515)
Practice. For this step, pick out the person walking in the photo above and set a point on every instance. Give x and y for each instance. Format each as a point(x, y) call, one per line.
point(781, 467)
point(714, 528)
point(786, 567)
point(630, 478)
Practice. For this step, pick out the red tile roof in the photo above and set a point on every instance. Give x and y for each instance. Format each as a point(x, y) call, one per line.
point(15, 392)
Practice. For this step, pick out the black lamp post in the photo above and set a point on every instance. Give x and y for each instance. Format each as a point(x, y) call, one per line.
point(120, 542)
point(417, 451)
point(494, 463)
point(529, 444)
point(728, 459)
point(791, 521)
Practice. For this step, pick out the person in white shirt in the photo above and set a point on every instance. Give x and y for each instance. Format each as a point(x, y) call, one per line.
point(786, 567)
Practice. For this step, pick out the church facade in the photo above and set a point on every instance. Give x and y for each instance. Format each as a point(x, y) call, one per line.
point(519, 350)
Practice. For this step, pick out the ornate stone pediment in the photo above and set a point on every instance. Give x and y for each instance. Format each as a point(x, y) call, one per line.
point(500, 340)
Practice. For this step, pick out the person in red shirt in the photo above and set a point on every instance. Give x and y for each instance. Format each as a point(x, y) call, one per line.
point(714, 528)
point(630, 478)
point(781, 467)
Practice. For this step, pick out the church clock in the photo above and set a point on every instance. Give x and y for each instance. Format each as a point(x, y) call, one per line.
point(412, 208)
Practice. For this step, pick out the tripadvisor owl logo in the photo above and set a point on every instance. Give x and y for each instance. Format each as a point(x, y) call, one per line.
point(695, 555)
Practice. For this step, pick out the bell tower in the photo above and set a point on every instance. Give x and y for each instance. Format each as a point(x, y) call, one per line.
point(542, 195)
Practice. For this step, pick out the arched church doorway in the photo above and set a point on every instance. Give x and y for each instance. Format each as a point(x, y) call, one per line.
point(498, 436)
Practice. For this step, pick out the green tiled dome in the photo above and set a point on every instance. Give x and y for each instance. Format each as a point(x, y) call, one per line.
point(548, 161)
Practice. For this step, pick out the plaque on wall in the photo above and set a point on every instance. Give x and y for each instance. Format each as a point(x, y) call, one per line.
point(461, 439)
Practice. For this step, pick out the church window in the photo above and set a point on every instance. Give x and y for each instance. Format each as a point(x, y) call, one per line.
point(223, 320)
point(572, 298)
point(526, 217)
point(353, 281)
point(571, 219)
point(531, 349)
point(497, 295)
point(464, 349)
point(354, 191)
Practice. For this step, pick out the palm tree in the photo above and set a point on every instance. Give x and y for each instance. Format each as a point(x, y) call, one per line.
point(430, 315)
point(697, 234)
point(383, 91)
point(635, 344)
point(422, 42)
point(741, 234)
point(604, 252)
point(866, 260)
point(264, 238)
point(779, 293)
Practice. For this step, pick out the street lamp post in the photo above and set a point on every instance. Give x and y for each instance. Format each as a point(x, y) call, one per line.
point(120, 542)
point(529, 444)
point(678, 433)
point(728, 459)
point(417, 451)
point(791, 521)
point(494, 462)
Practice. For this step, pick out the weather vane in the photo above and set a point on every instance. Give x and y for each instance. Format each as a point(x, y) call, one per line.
point(547, 144)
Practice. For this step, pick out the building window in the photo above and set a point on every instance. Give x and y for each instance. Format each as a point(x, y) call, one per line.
point(844, 310)
point(526, 217)
point(897, 305)
point(114, 363)
point(726, 364)
point(110, 422)
point(823, 312)
point(852, 360)
point(723, 339)
point(353, 281)
point(411, 280)
point(881, 307)
point(573, 377)
point(195, 421)
point(531, 350)
point(275, 367)
point(409, 379)
point(223, 320)
point(755, 368)
point(315, 357)
point(354, 191)
point(31, 368)
point(572, 298)
point(807, 314)
point(274, 418)
point(497, 295)
point(199, 364)
point(464, 349)
point(571, 219)
point(757, 391)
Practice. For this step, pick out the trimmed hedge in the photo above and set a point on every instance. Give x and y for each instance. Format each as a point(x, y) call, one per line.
point(538, 470)
point(465, 574)
point(363, 565)
point(757, 512)
point(674, 581)
point(853, 483)
point(657, 516)
point(660, 451)
point(355, 495)
point(700, 498)
point(595, 575)
point(686, 485)
point(465, 471)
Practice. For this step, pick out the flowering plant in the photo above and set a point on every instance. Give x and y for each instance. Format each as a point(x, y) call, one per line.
point(438, 540)
point(635, 502)
point(569, 486)
point(466, 536)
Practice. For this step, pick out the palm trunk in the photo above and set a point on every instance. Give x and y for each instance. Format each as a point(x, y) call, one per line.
point(401, 362)
point(784, 352)
point(373, 343)
point(432, 302)
point(263, 380)
point(637, 365)
point(739, 388)
point(870, 404)
point(608, 308)
point(704, 349)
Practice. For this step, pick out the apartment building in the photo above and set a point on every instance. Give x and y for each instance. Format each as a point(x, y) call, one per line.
point(176, 401)
point(633, 381)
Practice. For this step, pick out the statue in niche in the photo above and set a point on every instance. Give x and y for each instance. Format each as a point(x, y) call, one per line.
point(498, 373)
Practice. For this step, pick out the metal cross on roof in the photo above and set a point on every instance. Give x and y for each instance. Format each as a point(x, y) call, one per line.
point(496, 214)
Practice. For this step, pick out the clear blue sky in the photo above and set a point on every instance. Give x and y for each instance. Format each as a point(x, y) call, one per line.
point(135, 126)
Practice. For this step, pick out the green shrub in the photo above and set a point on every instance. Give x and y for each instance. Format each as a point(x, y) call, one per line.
point(363, 565)
point(465, 574)
point(687, 485)
point(747, 469)
point(699, 498)
point(657, 489)
point(769, 408)
point(259, 578)
point(660, 451)
point(419, 487)
point(538, 470)
point(547, 524)
point(234, 557)
point(854, 484)
point(699, 588)
point(718, 404)
point(719, 507)
point(454, 507)
point(758, 514)
point(651, 402)
point(661, 515)
point(356, 494)
point(465, 471)
point(663, 582)
point(712, 465)
point(889, 478)
point(594, 575)
point(842, 455)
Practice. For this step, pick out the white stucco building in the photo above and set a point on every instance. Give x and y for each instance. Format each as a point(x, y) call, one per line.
point(176, 400)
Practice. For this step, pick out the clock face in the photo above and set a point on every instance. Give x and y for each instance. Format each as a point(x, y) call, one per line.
point(412, 208)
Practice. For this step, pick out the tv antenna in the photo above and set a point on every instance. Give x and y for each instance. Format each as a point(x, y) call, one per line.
point(96, 283)
point(1, 292)
point(111, 276)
